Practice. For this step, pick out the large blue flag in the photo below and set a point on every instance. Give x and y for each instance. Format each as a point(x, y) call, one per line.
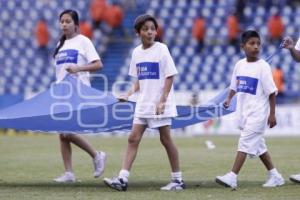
point(72, 107)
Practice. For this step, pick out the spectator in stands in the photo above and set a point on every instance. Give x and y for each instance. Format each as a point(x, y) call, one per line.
point(160, 33)
point(154, 68)
point(288, 43)
point(42, 34)
point(115, 15)
point(278, 77)
point(275, 28)
point(233, 30)
point(86, 29)
point(256, 92)
point(198, 32)
point(98, 12)
point(75, 54)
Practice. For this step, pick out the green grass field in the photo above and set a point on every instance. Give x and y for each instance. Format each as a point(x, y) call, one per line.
point(29, 163)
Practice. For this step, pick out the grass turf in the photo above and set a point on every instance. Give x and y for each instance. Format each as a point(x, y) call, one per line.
point(28, 165)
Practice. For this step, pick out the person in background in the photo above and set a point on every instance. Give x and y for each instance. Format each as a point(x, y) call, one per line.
point(275, 28)
point(86, 29)
point(233, 30)
point(198, 32)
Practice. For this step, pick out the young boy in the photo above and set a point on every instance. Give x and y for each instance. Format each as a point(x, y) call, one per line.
point(252, 81)
point(154, 69)
point(289, 44)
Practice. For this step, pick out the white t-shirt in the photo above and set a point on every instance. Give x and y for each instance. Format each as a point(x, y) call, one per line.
point(152, 66)
point(79, 51)
point(297, 46)
point(253, 83)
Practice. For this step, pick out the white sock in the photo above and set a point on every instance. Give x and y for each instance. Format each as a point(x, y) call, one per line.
point(234, 175)
point(176, 176)
point(124, 174)
point(273, 172)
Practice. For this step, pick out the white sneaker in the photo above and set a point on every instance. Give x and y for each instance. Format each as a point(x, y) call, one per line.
point(116, 183)
point(227, 180)
point(274, 181)
point(295, 178)
point(99, 164)
point(174, 185)
point(67, 177)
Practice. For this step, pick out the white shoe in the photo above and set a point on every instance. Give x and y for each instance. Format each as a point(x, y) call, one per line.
point(99, 164)
point(67, 177)
point(116, 183)
point(295, 178)
point(227, 180)
point(274, 181)
point(174, 185)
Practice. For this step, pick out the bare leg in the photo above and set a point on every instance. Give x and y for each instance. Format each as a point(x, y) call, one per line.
point(170, 147)
point(66, 150)
point(83, 144)
point(267, 161)
point(133, 144)
point(66, 153)
point(239, 161)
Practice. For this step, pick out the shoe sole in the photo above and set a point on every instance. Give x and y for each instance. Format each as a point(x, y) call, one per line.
point(222, 183)
point(294, 180)
point(115, 188)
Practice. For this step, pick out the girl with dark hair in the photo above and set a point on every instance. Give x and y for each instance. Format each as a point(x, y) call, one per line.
point(76, 55)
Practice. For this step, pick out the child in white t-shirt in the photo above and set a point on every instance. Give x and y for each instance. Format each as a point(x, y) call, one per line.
point(289, 44)
point(256, 92)
point(154, 69)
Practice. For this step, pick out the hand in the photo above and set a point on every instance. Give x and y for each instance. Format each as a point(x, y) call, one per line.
point(272, 121)
point(123, 98)
point(72, 69)
point(288, 43)
point(226, 104)
point(160, 108)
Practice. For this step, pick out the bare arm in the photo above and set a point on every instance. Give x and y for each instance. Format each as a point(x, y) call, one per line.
point(93, 66)
point(272, 117)
point(135, 88)
point(288, 43)
point(228, 99)
point(163, 99)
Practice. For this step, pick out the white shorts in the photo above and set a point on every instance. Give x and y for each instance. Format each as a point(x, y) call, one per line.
point(153, 123)
point(252, 143)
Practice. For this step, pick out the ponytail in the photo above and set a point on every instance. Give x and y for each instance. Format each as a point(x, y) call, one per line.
point(61, 43)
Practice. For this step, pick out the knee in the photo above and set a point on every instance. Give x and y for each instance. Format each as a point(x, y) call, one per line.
point(165, 140)
point(64, 137)
point(133, 139)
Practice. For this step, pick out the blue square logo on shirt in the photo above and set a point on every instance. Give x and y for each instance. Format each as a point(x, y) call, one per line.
point(147, 70)
point(246, 84)
point(67, 56)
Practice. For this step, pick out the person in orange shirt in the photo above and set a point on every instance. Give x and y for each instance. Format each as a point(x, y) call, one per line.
point(86, 29)
point(278, 78)
point(275, 29)
point(233, 30)
point(42, 34)
point(115, 16)
point(98, 12)
point(198, 32)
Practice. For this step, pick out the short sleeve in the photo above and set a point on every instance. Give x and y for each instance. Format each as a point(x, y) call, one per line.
point(168, 63)
point(132, 67)
point(90, 51)
point(233, 79)
point(267, 81)
point(297, 46)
